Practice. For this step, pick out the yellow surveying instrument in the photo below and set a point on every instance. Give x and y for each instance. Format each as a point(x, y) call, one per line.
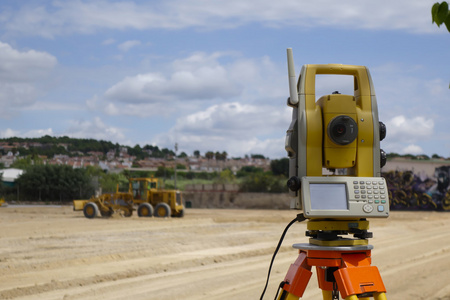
point(333, 146)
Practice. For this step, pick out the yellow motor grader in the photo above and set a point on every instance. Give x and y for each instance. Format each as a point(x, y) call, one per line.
point(145, 193)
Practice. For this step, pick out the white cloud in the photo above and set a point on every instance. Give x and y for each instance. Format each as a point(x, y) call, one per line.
point(234, 127)
point(95, 129)
point(141, 88)
point(38, 133)
point(191, 81)
point(412, 149)
point(402, 128)
point(19, 74)
point(16, 66)
point(413, 103)
point(327, 84)
point(197, 77)
point(8, 132)
point(404, 134)
point(87, 17)
point(241, 120)
point(126, 46)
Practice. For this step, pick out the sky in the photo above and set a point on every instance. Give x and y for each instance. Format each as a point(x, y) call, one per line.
point(212, 75)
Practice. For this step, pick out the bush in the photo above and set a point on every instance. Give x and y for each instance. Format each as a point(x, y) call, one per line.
point(263, 183)
point(248, 170)
point(54, 183)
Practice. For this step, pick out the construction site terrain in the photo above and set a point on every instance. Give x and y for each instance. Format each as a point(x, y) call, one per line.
point(56, 253)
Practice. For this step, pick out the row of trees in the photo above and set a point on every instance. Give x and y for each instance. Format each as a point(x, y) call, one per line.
point(51, 182)
point(51, 146)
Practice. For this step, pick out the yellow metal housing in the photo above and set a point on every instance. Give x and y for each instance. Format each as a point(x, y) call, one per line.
point(337, 225)
point(363, 157)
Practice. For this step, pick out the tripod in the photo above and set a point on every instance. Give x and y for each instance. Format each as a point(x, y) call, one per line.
point(342, 265)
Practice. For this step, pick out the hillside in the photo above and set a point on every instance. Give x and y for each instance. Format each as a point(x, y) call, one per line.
point(50, 146)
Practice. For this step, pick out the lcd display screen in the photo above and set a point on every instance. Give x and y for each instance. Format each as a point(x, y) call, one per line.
point(328, 196)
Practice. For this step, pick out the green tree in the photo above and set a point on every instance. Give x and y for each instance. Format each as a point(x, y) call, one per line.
point(392, 155)
point(138, 152)
point(167, 152)
point(217, 155)
point(54, 183)
point(440, 14)
point(209, 155)
point(248, 170)
point(263, 183)
point(197, 153)
point(190, 175)
point(181, 167)
point(23, 163)
point(226, 176)
point(224, 155)
point(109, 182)
point(183, 155)
point(164, 172)
point(280, 166)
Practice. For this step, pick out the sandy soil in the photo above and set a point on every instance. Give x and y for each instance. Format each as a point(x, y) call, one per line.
point(55, 253)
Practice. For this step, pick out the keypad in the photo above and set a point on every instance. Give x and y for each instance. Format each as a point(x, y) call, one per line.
point(371, 192)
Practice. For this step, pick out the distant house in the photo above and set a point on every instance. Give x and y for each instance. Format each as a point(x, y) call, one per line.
point(9, 176)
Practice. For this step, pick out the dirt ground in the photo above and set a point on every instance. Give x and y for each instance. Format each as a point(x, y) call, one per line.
point(56, 253)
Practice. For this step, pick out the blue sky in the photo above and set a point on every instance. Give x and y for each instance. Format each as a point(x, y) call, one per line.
point(212, 75)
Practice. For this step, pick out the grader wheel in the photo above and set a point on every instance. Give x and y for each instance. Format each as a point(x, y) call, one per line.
point(90, 210)
point(162, 210)
point(145, 210)
point(446, 201)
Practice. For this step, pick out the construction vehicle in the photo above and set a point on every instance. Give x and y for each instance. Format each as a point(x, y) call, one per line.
point(145, 193)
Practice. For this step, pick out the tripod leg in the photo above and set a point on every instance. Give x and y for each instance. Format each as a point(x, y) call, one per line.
point(327, 295)
point(379, 296)
point(358, 277)
point(288, 296)
point(296, 279)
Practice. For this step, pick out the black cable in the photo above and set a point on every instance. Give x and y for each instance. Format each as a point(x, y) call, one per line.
point(299, 218)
